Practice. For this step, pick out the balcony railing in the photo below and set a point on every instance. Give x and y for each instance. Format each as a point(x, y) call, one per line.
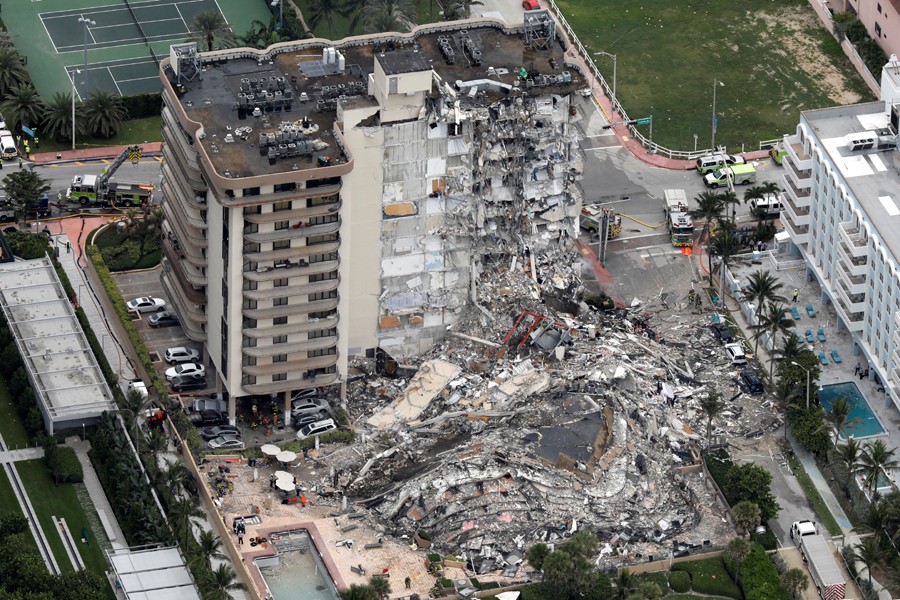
point(274, 256)
point(855, 292)
point(270, 274)
point(802, 178)
point(797, 153)
point(319, 210)
point(856, 266)
point(294, 233)
point(274, 387)
point(291, 328)
point(292, 347)
point(294, 366)
point(799, 233)
point(188, 315)
point(800, 216)
point(801, 197)
point(304, 289)
point(853, 310)
point(857, 243)
point(287, 310)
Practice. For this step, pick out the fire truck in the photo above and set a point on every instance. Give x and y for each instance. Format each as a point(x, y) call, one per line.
point(101, 190)
point(591, 218)
point(680, 224)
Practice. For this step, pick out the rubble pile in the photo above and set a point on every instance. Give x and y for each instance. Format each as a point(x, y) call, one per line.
point(525, 426)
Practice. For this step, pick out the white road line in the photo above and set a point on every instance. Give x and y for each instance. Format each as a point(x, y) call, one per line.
point(136, 78)
point(603, 148)
point(132, 23)
point(52, 14)
point(114, 81)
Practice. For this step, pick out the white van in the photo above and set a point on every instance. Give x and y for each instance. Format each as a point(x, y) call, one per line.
point(735, 353)
point(8, 148)
point(766, 207)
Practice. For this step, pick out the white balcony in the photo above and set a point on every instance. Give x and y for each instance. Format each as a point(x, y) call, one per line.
point(800, 178)
point(856, 266)
point(796, 153)
point(799, 233)
point(854, 284)
point(798, 215)
point(852, 235)
point(801, 197)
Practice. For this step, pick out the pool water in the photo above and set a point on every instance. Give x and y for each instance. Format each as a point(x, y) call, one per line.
point(299, 574)
point(867, 424)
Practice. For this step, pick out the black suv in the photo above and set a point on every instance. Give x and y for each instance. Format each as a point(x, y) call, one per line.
point(721, 332)
point(207, 417)
point(751, 381)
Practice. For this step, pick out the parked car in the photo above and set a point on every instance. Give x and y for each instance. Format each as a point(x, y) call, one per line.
point(302, 421)
point(207, 417)
point(226, 441)
point(317, 428)
point(187, 383)
point(735, 353)
point(180, 354)
point(722, 333)
point(304, 394)
point(209, 433)
point(530, 4)
point(190, 485)
point(309, 406)
point(146, 304)
point(752, 381)
point(185, 369)
point(216, 402)
point(163, 319)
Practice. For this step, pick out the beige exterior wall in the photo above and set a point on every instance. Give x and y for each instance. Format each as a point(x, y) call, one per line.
point(882, 21)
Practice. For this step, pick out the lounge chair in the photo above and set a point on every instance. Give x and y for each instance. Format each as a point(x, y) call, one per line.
point(810, 311)
point(822, 359)
point(822, 337)
point(796, 313)
point(836, 357)
point(809, 336)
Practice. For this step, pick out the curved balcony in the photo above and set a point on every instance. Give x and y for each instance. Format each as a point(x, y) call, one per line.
point(186, 234)
point(289, 253)
point(175, 136)
point(292, 233)
point(193, 300)
point(187, 211)
point(181, 190)
point(192, 254)
point(290, 309)
point(172, 155)
point(291, 328)
point(193, 328)
point(296, 365)
point(188, 275)
point(293, 215)
point(292, 347)
point(271, 274)
point(273, 387)
point(313, 287)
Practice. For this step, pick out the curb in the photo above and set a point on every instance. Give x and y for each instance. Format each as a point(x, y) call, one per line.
point(68, 161)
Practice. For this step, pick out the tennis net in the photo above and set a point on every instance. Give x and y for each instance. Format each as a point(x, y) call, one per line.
point(141, 30)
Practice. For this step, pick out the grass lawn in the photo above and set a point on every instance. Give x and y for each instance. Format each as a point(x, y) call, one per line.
point(60, 501)
point(14, 434)
point(709, 576)
point(773, 58)
point(122, 252)
point(813, 495)
point(135, 131)
point(9, 503)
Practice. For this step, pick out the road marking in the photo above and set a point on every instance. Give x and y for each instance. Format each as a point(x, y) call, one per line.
point(603, 148)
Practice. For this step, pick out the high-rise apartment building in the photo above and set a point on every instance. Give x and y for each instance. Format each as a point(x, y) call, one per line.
point(842, 212)
point(325, 200)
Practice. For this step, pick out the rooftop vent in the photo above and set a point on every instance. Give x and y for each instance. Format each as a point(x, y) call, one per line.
point(861, 141)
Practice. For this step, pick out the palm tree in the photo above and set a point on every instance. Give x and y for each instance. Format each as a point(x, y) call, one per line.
point(729, 200)
point(878, 518)
point(184, 512)
point(793, 581)
point(746, 515)
point(709, 209)
point(222, 580)
point(209, 27)
point(772, 321)
point(625, 583)
point(839, 418)
point(324, 11)
point(724, 244)
point(23, 106)
point(58, 118)
point(261, 35)
point(384, 22)
point(875, 460)
point(760, 192)
point(104, 113)
point(870, 553)
point(12, 69)
point(848, 455)
point(761, 287)
point(459, 9)
point(175, 476)
point(209, 546)
point(381, 587)
point(737, 551)
point(711, 406)
point(382, 11)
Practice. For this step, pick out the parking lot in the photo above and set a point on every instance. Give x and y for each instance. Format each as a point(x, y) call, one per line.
point(136, 284)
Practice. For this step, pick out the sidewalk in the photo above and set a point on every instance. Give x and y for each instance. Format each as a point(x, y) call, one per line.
point(43, 158)
point(98, 496)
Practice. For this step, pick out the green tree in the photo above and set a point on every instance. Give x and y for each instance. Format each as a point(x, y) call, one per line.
point(23, 190)
point(210, 28)
point(536, 555)
point(402, 12)
point(23, 106)
point(570, 566)
point(760, 192)
point(761, 287)
point(381, 587)
point(58, 118)
point(839, 418)
point(709, 209)
point(724, 244)
point(773, 322)
point(876, 460)
point(793, 351)
point(737, 551)
point(261, 35)
point(848, 454)
point(870, 553)
point(104, 113)
point(711, 406)
point(222, 580)
point(459, 9)
point(880, 517)
point(182, 513)
point(12, 69)
point(625, 584)
point(324, 11)
point(752, 482)
point(746, 516)
point(794, 581)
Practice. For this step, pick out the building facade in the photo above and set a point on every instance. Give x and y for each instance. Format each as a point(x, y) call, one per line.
point(323, 200)
point(842, 212)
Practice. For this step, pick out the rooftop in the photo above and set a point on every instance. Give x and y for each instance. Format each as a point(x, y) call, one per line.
point(153, 574)
point(872, 175)
point(295, 88)
point(53, 346)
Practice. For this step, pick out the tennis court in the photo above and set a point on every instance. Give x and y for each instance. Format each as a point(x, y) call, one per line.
point(125, 39)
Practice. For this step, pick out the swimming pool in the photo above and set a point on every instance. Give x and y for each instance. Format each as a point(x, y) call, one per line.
point(867, 424)
point(297, 571)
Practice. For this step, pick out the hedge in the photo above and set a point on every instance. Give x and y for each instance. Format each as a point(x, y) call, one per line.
point(141, 106)
point(62, 462)
point(710, 577)
point(680, 581)
point(658, 578)
point(759, 578)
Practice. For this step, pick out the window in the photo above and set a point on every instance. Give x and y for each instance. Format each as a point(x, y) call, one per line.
point(248, 361)
point(279, 321)
point(323, 276)
point(317, 258)
point(281, 282)
point(279, 206)
point(248, 304)
point(279, 339)
point(878, 29)
point(323, 296)
point(286, 187)
point(249, 323)
point(248, 380)
point(321, 239)
point(279, 358)
point(249, 342)
point(392, 85)
point(224, 345)
point(322, 333)
point(249, 286)
point(283, 301)
point(254, 191)
point(322, 200)
point(281, 244)
point(322, 352)
point(251, 228)
point(224, 289)
point(323, 220)
point(279, 225)
point(879, 8)
point(279, 377)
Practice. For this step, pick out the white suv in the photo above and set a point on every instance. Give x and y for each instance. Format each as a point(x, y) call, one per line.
point(317, 428)
point(309, 406)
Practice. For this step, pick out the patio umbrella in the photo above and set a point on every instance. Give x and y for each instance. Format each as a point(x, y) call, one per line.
point(284, 475)
point(286, 456)
point(270, 449)
point(284, 484)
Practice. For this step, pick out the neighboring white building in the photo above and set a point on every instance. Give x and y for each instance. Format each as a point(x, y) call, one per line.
point(326, 199)
point(842, 211)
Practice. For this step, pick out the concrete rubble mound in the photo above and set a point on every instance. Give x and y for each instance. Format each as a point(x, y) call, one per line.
point(527, 424)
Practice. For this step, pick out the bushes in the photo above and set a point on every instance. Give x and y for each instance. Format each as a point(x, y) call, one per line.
point(343, 436)
point(759, 578)
point(141, 106)
point(680, 581)
point(62, 462)
point(710, 577)
point(658, 578)
point(742, 482)
point(27, 245)
point(767, 540)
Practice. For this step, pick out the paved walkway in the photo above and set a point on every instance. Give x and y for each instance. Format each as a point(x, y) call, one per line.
point(98, 496)
point(9, 456)
point(43, 158)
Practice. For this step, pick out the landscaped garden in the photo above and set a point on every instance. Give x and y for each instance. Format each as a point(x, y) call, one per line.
point(773, 59)
point(135, 244)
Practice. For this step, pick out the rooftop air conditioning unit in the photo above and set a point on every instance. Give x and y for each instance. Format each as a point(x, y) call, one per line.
point(861, 141)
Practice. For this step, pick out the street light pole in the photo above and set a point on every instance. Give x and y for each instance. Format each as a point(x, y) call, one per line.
point(613, 57)
point(74, 91)
point(280, 12)
point(716, 83)
point(87, 23)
